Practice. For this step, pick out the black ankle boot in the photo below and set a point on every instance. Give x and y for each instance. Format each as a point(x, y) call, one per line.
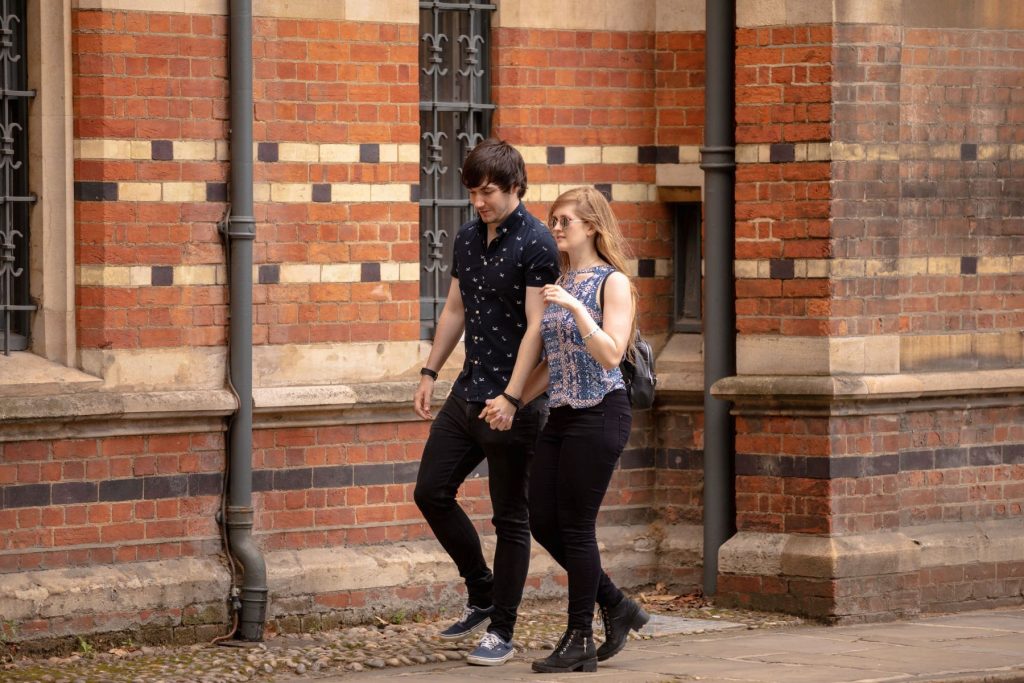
point(574, 652)
point(617, 622)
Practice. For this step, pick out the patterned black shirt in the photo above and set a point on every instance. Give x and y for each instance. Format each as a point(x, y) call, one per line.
point(492, 280)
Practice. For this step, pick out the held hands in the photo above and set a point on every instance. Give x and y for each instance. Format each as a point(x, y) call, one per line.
point(498, 413)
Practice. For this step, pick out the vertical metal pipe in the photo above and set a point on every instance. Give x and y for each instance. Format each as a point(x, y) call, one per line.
point(718, 160)
point(241, 233)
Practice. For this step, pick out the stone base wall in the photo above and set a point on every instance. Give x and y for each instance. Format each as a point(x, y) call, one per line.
point(183, 600)
point(877, 576)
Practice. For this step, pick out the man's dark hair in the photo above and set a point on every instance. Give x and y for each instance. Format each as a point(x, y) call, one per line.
point(495, 161)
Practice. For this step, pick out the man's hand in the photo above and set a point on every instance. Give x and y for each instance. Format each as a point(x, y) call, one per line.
point(421, 399)
point(498, 413)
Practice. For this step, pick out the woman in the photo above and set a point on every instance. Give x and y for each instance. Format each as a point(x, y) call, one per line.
point(586, 334)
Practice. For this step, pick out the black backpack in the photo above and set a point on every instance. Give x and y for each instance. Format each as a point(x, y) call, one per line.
point(637, 367)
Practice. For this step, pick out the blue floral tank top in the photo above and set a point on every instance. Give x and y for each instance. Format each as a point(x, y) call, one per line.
point(577, 379)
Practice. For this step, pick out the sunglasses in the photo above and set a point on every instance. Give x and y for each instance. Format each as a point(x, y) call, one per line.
point(563, 222)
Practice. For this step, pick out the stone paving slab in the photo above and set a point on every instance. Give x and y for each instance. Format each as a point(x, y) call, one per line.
point(662, 625)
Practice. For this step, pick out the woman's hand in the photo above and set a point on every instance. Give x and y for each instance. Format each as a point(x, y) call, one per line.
point(498, 413)
point(555, 294)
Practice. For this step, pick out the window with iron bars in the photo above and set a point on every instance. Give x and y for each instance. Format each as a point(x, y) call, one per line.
point(15, 199)
point(455, 115)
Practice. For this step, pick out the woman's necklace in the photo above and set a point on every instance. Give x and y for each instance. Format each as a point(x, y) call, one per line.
point(586, 267)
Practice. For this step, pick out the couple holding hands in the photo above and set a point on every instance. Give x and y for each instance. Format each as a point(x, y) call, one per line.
point(529, 299)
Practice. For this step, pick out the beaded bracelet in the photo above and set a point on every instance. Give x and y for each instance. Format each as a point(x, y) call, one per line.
point(591, 333)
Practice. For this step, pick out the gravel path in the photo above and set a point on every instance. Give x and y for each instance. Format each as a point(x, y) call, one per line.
point(351, 649)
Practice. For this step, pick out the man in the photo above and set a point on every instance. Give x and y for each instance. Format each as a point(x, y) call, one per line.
point(501, 261)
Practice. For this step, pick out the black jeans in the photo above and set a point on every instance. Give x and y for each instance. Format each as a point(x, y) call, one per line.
point(459, 441)
point(573, 465)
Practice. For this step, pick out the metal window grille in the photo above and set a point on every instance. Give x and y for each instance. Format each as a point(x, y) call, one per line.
point(15, 199)
point(455, 115)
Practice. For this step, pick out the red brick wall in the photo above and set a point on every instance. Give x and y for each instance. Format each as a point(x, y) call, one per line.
point(783, 98)
point(99, 501)
point(951, 190)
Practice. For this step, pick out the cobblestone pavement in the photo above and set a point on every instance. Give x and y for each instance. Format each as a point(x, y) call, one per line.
point(353, 649)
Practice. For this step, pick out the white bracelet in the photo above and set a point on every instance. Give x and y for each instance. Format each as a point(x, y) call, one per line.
point(591, 333)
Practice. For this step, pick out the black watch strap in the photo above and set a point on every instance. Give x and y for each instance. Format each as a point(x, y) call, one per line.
point(428, 372)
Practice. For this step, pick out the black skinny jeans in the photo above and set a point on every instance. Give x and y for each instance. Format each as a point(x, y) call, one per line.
point(573, 465)
point(459, 441)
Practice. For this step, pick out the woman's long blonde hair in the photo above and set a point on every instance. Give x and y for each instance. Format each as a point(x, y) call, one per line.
point(592, 207)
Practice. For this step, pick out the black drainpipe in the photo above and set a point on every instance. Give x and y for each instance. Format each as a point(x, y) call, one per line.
point(241, 231)
point(718, 159)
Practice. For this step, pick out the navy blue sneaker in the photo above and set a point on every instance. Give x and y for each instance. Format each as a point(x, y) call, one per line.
point(473, 619)
point(492, 651)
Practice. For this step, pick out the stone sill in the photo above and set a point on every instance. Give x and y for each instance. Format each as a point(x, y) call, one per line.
point(26, 374)
point(744, 388)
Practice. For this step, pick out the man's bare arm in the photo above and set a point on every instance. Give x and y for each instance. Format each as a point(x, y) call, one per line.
point(450, 327)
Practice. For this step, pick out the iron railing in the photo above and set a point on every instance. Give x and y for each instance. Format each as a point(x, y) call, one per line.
point(455, 115)
point(15, 199)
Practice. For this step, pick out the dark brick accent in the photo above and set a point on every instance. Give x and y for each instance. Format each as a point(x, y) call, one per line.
point(263, 480)
point(216, 192)
point(1013, 454)
point(162, 150)
point(782, 152)
point(406, 472)
point(89, 191)
point(369, 272)
point(269, 274)
point(73, 492)
point(556, 155)
point(368, 475)
point(948, 458)
point(414, 193)
point(680, 459)
point(986, 455)
point(647, 154)
point(658, 154)
point(120, 489)
point(321, 192)
point(292, 479)
point(645, 267)
point(874, 465)
point(331, 477)
point(781, 269)
point(637, 459)
point(205, 484)
point(369, 153)
point(968, 152)
point(28, 495)
point(968, 265)
point(917, 460)
point(266, 151)
point(162, 276)
point(605, 189)
point(172, 486)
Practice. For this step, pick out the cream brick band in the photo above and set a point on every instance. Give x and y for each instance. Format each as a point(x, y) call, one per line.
point(203, 275)
point(385, 11)
point(895, 267)
point(218, 150)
